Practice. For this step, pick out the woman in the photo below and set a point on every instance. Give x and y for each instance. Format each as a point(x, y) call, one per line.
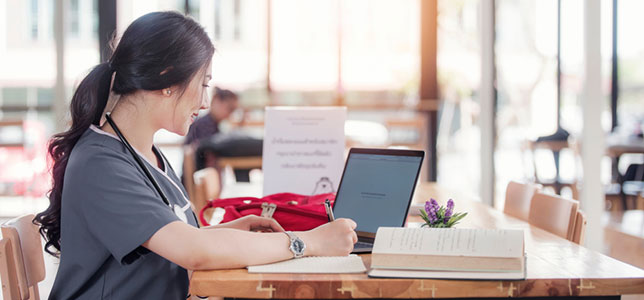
point(109, 221)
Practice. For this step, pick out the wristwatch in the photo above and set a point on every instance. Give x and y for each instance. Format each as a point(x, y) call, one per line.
point(296, 246)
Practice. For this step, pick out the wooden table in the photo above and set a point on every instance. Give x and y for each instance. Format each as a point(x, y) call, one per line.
point(555, 267)
point(616, 146)
point(624, 232)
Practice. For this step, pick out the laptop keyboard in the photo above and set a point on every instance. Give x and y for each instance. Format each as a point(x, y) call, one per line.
point(362, 245)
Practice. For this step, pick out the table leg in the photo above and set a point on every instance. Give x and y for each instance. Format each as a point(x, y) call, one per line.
point(555, 154)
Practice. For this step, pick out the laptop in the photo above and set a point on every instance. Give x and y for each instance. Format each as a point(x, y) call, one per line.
point(376, 190)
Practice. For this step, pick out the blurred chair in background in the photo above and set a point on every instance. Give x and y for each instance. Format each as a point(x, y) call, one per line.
point(554, 214)
point(625, 188)
point(189, 168)
point(28, 265)
point(517, 199)
point(238, 150)
point(8, 274)
point(556, 147)
point(632, 185)
point(580, 228)
point(207, 187)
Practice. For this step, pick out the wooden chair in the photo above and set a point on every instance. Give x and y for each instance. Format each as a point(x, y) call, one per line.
point(554, 214)
point(556, 147)
point(517, 199)
point(207, 187)
point(8, 274)
point(189, 168)
point(580, 228)
point(21, 243)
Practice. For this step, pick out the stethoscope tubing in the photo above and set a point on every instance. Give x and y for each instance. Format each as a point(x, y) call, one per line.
point(138, 159)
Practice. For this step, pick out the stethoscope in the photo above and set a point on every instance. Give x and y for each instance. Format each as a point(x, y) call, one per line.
point(175, 208)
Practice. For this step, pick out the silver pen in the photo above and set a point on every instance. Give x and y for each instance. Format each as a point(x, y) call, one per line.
point(329, 210)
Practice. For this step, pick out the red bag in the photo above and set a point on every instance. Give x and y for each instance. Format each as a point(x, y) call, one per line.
point(294, 212)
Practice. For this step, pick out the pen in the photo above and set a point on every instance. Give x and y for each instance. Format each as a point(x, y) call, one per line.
point(329, 210)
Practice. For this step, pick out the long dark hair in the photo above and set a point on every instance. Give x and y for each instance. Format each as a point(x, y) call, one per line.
point(157, 51)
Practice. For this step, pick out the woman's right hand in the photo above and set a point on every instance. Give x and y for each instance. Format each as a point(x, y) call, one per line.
point(331, 239)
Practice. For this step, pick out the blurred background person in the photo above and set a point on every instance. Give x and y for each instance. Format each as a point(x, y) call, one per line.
point(224, 103)
point(209, 142)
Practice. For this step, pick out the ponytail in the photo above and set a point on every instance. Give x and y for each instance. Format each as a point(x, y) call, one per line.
point(87, 106)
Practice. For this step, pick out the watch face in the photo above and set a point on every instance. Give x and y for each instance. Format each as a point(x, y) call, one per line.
point(297, 246)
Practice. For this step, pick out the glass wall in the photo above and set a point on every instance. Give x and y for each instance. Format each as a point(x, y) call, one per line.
point(380, 60)
point(459, 75)
point(527, 106)
point(630, 51)
point(526, 70)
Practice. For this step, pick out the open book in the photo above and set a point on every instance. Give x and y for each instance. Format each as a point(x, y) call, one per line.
point(453, 253)
point(314, 264)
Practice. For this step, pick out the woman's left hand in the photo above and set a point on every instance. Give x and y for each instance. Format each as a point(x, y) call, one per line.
point(253, 223)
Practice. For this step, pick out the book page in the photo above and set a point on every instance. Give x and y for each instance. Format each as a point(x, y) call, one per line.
point(449, 241)
point(314, 264)
point(447, 275)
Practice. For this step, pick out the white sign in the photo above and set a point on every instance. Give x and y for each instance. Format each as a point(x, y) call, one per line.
point(303, 149)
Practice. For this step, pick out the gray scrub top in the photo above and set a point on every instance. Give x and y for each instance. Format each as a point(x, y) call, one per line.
point(109, 209)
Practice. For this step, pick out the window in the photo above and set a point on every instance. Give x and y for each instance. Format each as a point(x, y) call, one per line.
point(128, 11)
point(27, 57)
point(459, 78)
point(630, 51)
point(81, 42)
point(304, 53)
point(238, 28)
point(380, 59)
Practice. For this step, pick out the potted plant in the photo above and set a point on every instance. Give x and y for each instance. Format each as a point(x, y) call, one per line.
point(437, 216)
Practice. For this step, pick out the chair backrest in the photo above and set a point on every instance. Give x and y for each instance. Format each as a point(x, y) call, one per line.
point(27, 253)
point(517, 199)
point(554, 214)
point(414, 128)
point(189, 166)
point(207, 187)
point(580, 228)
point(245, 162)
point(8, 272)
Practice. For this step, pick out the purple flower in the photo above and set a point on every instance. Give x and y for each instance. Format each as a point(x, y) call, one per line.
point(449, 211)
point(431, 208)
point(434, 203)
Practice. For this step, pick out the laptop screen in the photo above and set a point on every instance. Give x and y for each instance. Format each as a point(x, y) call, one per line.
point(376, 189)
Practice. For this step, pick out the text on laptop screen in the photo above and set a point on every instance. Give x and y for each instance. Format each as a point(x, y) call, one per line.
point(376, 190)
